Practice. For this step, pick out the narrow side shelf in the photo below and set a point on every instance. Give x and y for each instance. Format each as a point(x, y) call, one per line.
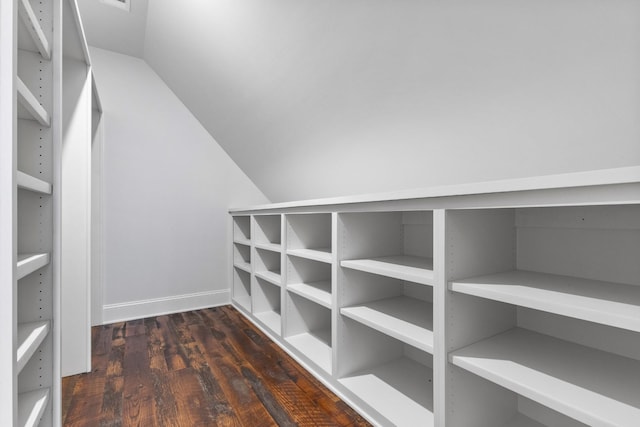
point(31, 183)
point(610, 304)
point(591, 386)
point(245, 266)
point(316, 345)
point(241, 241)
point(274, 247)
point(403, 267)
point(31, 406)
point(402, 391)
point(30, 336)
point(321, 254)
point(270, 276)
point(406, 319)
point(318, 292)
point(28, 263)
point(33, 27)
point(32, 109)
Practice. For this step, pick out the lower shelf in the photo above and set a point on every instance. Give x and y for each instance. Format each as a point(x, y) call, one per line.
point(271, 319)
point(316, 346)
point(589, 385)
point(401, 391)
point(30, 336)
point(523, 421)
point(31, 406)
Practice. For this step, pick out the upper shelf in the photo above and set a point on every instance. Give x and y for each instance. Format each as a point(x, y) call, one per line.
point(32, 110)
point(591, 386)
point(320, 254)
point(30, 336)
point(274, 247)
point(610, 304)
point(33, 27)
point(28, 263)
point(407, 319)
point(241, 241)
point(31, 183)
point(403, 267)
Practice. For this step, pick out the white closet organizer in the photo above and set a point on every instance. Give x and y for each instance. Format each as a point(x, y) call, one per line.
point(31, 57)
point(511, 303)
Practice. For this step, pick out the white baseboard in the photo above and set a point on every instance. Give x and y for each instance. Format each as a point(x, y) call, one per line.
point(121, 312)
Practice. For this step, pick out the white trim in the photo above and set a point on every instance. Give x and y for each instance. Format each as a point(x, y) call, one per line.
point(124, 311)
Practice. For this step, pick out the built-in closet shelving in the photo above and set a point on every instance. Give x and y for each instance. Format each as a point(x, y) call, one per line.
point(34, 177)
point(31, 58)
point(494, 306)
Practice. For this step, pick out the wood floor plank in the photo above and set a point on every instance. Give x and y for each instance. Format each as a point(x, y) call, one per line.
point(208, 367)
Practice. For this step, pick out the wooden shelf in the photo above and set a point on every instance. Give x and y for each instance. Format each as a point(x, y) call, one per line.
point(31, 183)
point(31, 406)
point(321, 254)
point(591, 386)
point(30, 336)
point(274, 247)
point(523, 421)
point(318, 292)
point(28, 263)
point(403, 267)
point(246, 242)
point(316, 346)
point(270, 276)
point(32, 109)
point(610, 304)
point(401, 391)
point(33, 27)
point(271, 319)
point(245, 266)
point(406, 319)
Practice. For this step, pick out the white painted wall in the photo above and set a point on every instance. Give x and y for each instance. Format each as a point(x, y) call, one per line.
point(334, 97)
point(167, 189)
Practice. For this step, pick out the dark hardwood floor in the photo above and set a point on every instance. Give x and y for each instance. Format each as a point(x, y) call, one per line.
point(207, 367)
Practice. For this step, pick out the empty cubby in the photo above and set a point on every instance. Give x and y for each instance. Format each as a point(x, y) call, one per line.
point(242, 229)
point(266, 304)
point(310, 279)
point(309, 235)
point(268, 231)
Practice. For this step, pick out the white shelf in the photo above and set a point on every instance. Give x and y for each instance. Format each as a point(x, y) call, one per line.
point(318, 292)
point(401, 391)
point(31, 183)
point(270, 276)
point(31, 406)
point(274, 247)
point(32, 108)
point(271, 319)
point(523, 421)
point(321, 254)
point(403, 267)
point(245, 266)
point(28, 263)
point(406, 319)
point(591, 386)
point(610, 304)
point(30, 336)
point(244, 302)
point(246, 242)
point(315, 345)
point(33, 27)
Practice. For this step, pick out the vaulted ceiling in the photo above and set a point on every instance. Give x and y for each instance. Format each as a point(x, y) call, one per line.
point(316, 98)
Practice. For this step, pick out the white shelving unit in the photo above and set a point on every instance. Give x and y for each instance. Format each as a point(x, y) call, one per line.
point(34, 45)
point(504, 304)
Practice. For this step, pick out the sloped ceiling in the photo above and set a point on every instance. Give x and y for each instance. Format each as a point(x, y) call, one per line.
point(115, 29)
point(324, 98)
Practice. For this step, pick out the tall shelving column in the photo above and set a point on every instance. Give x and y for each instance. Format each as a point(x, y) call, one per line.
point(35, 355)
